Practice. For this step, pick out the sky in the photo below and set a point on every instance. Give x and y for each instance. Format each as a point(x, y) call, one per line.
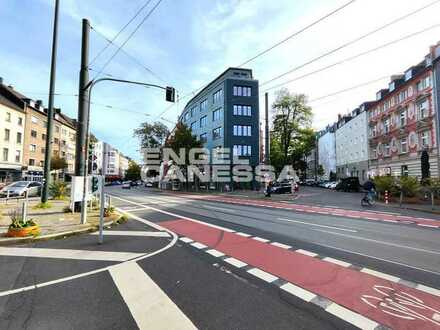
point(187, 43)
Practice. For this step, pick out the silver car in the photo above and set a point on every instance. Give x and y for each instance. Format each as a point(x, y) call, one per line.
point(19, 188)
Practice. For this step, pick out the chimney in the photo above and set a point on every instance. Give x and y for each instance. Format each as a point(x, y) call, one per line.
point(11, 87)
point(38, 104)
point(1, 80)
point(339, 117)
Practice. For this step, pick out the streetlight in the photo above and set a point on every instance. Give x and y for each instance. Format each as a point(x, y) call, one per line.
point(169, 96)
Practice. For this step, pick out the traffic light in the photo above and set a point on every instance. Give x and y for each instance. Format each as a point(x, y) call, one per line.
point(170, 94)
point(95, 183)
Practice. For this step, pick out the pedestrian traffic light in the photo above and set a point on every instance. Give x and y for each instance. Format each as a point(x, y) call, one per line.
point(170, 94)
point(95, 183)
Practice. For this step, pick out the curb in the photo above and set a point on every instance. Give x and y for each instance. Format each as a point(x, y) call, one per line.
point(18, 240)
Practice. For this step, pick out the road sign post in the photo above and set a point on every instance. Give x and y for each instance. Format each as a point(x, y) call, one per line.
point(101, 211)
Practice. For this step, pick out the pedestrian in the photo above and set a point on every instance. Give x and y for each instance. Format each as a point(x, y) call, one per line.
point(268, 189)
point(294, 189)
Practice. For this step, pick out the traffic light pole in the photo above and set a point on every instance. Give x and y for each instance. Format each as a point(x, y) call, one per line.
point(170, 96)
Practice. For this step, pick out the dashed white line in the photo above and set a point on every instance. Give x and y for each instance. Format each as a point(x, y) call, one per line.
point(186, 239)
point(352, 317)
point(260, 239)
point(215, 253)
point(243, 234)
point(381, 275)
point(307, 253)
point(337, 262)
point(428, 289)
point(261, 274)
point(429, 226)
point(298, 292)
point(235, 262)
point(283, 246)
point(198, 245)
point(317, 225)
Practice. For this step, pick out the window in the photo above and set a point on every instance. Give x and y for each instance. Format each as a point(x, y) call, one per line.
point(20, 121)
point(424, 83)
point(8, 117)
point(56, 141)
point(43, 150)
point(19, 137)
point(386, 125)
point(422, 109)
point(33, 133)
point(217, 114)
point(63, 143)
point(203, 138)
point(186, 116)
point(193, 110)
point(217, 133)
point(386, 147)
point(404, 170)
point(7, 134)
point(239, 130)
point(193, 126)
point(403, 95)
point(242, 110)
point(242, 91)
point(31, 162)
point(424, 139)
point(42, 163)
point(32, 147)
point(217, 96)
point(203, 121)
point(57, 129)
point(34, 119)
point(43, 136)
point(17, 156)
point(5, 154)
point(64, 131)
point(403, 118)
point(242, 150)
point(45, 124)
point(403, 146)
point(374, 153)
point(203, 105)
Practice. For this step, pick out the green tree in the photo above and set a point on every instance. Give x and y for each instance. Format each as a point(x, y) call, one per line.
point(58, 163)
point(424, 163)
point(291, 135)
point(152, 135)
point(320, 171)
point(133, 172)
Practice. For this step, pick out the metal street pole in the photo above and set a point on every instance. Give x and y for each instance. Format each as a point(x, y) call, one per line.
point(267, 137)
point(48, 154)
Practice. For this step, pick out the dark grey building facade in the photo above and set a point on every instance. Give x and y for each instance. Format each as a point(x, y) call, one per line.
point(225, 114)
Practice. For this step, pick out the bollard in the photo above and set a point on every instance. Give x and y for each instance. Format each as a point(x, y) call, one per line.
point(386, 196)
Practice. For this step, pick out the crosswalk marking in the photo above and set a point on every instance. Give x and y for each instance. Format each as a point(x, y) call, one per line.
point(68, 254)
point(133, 233)
point(150, 307)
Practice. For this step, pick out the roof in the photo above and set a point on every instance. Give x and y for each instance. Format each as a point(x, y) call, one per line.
point(8, 103)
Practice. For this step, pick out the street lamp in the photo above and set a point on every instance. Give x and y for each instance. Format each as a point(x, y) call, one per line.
point(169, 96)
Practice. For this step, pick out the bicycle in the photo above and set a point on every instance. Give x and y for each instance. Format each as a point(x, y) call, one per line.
point(368, 199)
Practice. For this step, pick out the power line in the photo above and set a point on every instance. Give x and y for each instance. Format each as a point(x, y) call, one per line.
point(353, 57)
point(129, 37)
point(350, 42)
point(348, 89)
point(120, 31)
point(297, 32)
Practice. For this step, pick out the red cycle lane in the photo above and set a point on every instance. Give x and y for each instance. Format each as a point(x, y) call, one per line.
point(378, 216)
point(388, 303)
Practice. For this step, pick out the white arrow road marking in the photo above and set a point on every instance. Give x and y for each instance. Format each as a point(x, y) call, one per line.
point(68, 254)
point(133, 233)
point(150, 307)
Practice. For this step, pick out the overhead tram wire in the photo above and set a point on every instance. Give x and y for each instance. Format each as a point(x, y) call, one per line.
point(119, 32)
point(270, 48)
point(411, 35)
point(128, 38)
point(297, 32)
point(351, 42)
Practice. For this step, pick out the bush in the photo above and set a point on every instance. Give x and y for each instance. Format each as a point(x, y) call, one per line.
point(58, 190)
point(385, 183)
point(41, 205)
point(409, 185)
point(122, 219)
point(17, 220)
point(109, 211)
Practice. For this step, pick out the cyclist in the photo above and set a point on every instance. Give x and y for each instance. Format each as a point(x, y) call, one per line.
point(370, 191)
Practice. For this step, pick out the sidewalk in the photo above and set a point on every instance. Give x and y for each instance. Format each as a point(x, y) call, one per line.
point(53, 222)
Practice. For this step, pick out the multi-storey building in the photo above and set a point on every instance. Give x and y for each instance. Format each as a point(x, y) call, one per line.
point(352, 144)
point(327, 150)
point(403, 122)
point(12, 125)
point(34, 134)
point(225, 114)
point(123, 165)
point(115, 163)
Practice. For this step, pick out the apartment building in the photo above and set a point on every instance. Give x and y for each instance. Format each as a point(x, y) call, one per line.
point(12, 124)
point(327, 150)
point(404, 122)
point(115, 163)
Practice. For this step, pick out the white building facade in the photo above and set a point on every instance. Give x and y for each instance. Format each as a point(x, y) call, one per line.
point(327, 151)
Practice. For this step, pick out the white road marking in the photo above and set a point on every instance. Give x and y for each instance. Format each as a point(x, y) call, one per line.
point(198, 245)
point(283, 246)
point(133, 233)
point(317, 225)
point(215, 253)
point(337, 262)
point(298, 292)
point(150, 307)
point(428, 289)
point(261, 274)
point(380, 242)
point(186, 239)
point(235, 262)
point(68, 254)
point(352, 317)
point(244, 234)
point(260, 239)
point(429, 226)
point(380, 274)
point(307, 253)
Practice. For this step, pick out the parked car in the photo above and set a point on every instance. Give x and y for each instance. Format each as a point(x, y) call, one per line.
point(19, 188)
point(134, 183)
point(148, 184)
point(333, 185)
point(310, 182)
point(126, 185)
point(281, 188)
point(348, 184)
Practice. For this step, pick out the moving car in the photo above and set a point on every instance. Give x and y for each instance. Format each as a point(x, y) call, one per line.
point(348, 184)
point(281, 188)
point(18, 189)
point(126, 185)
